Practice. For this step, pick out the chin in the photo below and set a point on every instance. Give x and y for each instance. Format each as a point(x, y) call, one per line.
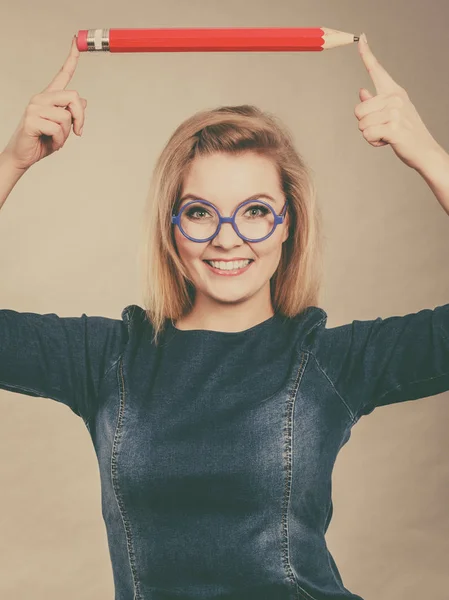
point(229, 297)
point(224, 296)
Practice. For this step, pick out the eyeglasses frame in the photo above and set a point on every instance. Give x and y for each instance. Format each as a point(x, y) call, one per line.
point(278, 220)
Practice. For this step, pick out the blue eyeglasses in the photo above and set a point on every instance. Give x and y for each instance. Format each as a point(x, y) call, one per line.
point(247, 225)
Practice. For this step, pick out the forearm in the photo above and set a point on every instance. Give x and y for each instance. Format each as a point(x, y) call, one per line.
point(9, 176)
point(435, 172)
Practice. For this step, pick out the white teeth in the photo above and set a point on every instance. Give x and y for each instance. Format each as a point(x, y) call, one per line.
point(228, 266)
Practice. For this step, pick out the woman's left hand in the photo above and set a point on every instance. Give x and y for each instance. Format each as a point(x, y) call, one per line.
point(390, 117)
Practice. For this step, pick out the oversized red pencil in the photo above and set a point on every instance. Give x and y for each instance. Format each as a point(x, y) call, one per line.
point(214, 39)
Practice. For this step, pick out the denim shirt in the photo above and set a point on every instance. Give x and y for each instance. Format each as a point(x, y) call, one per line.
point(216, 449)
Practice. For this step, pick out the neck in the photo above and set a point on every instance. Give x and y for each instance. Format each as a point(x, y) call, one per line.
point(226, 317)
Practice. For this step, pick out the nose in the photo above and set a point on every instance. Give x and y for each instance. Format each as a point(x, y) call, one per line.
point(227, 237)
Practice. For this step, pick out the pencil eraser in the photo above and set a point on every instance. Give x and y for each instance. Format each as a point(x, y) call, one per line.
point(81, 40)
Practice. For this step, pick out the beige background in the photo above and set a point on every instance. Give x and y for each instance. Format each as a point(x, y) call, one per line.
point(69, 244)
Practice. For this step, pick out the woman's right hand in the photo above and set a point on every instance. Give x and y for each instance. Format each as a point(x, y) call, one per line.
point(47, 121)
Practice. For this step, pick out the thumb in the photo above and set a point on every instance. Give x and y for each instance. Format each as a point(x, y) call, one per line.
point(364, 94)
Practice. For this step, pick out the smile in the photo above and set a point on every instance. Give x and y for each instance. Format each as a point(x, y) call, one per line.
point(228, 272)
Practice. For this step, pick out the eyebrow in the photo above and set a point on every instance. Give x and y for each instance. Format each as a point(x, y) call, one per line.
point(253, 197)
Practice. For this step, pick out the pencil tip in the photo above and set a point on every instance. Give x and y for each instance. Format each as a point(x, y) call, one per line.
point(356, 38)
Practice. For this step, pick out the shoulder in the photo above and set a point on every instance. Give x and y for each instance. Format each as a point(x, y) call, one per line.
point(135, 318)
point(138, 325)
point(132, 313)
point(309, 325)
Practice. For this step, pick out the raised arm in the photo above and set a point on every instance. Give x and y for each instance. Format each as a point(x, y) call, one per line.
point(63, 358)
point(384, 361)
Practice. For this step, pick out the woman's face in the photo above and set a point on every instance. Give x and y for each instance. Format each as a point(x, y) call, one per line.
point(226, 181)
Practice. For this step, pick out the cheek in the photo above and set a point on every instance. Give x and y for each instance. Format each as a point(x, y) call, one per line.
point(187, 250)
point(270, 248)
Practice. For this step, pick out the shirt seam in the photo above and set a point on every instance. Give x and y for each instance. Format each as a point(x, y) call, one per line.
point(346, 404)
point(90, 417)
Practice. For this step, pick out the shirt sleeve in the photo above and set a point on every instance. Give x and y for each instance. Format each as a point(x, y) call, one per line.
point(385, 361)
point(61, 358)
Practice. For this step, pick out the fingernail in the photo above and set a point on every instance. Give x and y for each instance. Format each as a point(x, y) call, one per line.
point(364, 38)
point(81, 130)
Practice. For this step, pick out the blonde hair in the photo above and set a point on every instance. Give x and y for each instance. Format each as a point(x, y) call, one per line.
point(168, 290)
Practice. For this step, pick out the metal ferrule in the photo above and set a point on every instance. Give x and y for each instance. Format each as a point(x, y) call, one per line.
point(98, 40)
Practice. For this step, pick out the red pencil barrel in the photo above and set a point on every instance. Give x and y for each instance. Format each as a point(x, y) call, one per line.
point(215, 39)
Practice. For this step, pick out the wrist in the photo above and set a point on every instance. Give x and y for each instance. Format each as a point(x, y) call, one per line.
point(436, 165)
point(7, 161)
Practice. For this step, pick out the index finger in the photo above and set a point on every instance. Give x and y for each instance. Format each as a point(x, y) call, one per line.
point(382, 80)
point(62, 78)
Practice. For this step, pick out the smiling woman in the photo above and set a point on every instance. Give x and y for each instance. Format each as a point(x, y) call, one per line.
point(217, 161)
